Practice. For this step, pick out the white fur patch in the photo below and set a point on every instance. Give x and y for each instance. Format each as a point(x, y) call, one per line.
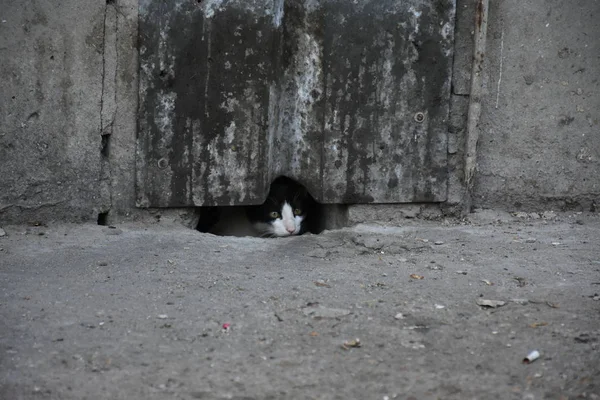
point(288, 224)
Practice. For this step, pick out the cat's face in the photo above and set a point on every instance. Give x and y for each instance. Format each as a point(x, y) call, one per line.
point(285, 211)
point(282, 219)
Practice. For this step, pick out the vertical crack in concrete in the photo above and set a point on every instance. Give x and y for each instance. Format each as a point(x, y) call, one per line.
point(108, 102)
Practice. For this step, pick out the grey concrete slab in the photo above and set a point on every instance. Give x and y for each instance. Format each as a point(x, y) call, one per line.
point(463, 47)
point(50, 110)
point(539, 145)
point(137, 312)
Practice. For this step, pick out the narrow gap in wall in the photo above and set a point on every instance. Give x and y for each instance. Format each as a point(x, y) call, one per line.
point(103, 218)
point(105, 145)
point(276, 217)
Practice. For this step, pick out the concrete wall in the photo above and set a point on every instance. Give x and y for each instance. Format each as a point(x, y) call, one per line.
point(51, 68)
point(539, 145)
point(68, 105)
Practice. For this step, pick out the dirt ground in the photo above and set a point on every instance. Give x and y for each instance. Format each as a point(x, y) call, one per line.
point(138, 311)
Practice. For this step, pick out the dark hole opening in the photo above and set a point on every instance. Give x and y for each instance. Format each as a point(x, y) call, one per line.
point(103, 218)
point(289, 210)
point(105, 145)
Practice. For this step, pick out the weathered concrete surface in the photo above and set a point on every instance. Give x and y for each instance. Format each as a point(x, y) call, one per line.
point(137, 312)
point(540, 127)
point(350, 99)
point(50, 110)
point(463, 46)
point(538, 149)
point(123, 138)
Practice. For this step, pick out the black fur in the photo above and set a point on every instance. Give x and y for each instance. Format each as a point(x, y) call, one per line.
point(283, 190)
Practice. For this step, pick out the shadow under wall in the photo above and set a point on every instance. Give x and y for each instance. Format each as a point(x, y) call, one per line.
point(232, 220)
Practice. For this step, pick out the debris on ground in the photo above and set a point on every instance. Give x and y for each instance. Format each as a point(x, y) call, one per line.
point(318, 311)
point(348, 344)
point(2, 232)
point(487, 282)
point(520, 301)
point(520, 281)
point(322, 283)
point(531, 357)
point(162, 316)
point(416, 276)
point(399, 316)
point(490, 303)
point(538, 324)
point(226, 326)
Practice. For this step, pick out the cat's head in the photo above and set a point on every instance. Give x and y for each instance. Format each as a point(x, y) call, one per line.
point(285, 212)
point(282, 219)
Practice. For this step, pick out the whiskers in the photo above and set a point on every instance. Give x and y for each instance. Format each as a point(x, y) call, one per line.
point(267, 235)
point(263, 230)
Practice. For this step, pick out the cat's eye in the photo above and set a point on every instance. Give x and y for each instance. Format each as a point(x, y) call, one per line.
point(274, 214)
point(297, 211)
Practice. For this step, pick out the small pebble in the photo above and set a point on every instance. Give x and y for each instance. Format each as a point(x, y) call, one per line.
point(162, 316)
point(399, 316)
point(490, 303)
point(438, 242)
point(2, 232)
point(530, 240)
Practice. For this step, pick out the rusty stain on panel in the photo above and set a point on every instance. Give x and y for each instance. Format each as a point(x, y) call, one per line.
point(233, 94)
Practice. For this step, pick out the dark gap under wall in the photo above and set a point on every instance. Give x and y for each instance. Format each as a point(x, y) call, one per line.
point(233, 221)
point(103, 218)
point(236, 221)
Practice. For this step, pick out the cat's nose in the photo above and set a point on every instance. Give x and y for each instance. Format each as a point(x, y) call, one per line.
point(290, 229)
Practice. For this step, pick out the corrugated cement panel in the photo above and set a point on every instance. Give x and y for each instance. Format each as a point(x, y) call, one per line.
point(349, 99)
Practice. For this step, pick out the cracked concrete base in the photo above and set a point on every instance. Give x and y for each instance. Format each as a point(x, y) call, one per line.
point(137, 312)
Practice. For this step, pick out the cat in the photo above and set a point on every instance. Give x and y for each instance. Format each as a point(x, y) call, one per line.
point(289, 210)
